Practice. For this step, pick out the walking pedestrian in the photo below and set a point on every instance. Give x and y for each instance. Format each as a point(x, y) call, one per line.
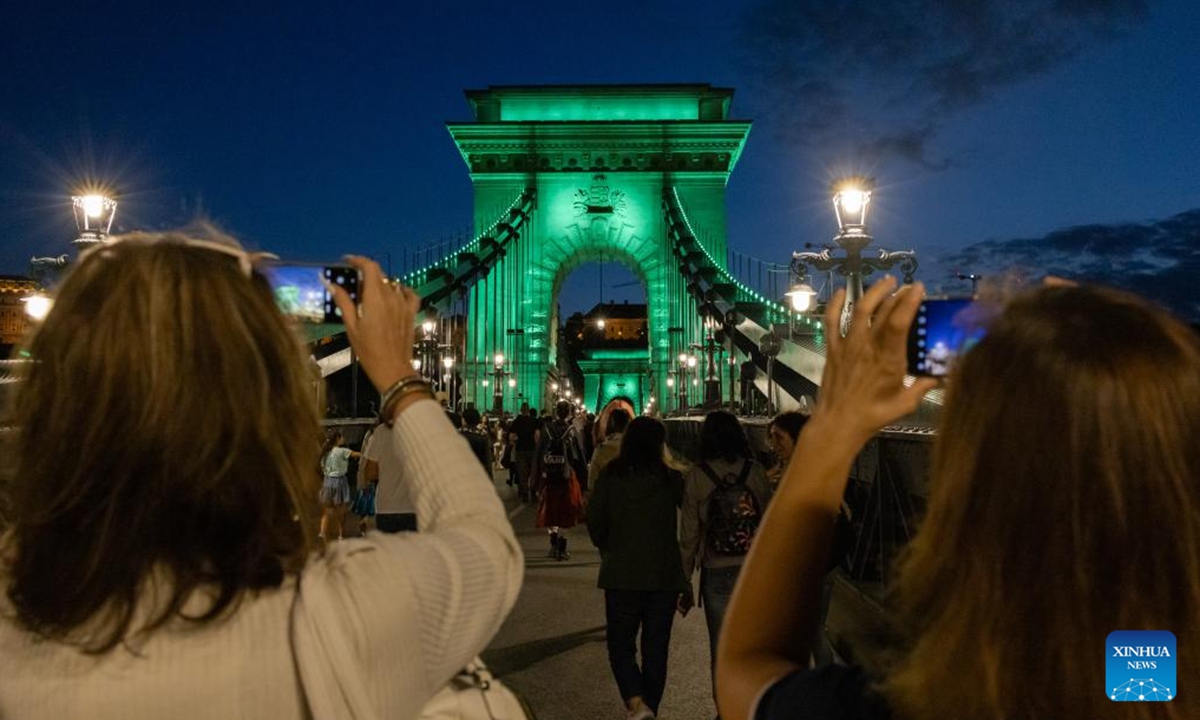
point(335, 489)
point(560, 501)
point(632, 520)
point(523, 443)
point(724, 497)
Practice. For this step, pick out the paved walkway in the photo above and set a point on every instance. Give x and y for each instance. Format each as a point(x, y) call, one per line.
point(551, 648)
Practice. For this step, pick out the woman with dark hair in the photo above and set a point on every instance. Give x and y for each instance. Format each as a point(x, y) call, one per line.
point(631, 519)
point(724, 496)
point(781, 436)
point(1056, 516)
point(162, 557)
point(335, 490)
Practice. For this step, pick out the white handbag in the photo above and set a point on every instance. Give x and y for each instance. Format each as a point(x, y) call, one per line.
point(475, 694)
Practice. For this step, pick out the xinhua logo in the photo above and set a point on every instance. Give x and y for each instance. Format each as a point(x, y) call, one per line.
point(1140, 666)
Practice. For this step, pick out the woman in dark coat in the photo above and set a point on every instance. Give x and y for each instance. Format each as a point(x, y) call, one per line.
point(631, 518)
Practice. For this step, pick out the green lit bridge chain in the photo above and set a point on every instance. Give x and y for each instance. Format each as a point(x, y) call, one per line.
point(440, 282)
point(742, 312)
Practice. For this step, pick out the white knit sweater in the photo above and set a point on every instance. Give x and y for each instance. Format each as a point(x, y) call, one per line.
point(379, 624)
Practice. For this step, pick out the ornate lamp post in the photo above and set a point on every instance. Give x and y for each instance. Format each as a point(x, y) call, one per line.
point(681, 383)
point(448, 379)
point(712, 377)
point(93, 219)
point(427, 351)
point(851, 198)
point(498, 384)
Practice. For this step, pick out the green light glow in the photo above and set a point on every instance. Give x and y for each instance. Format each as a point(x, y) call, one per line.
point(598, 109)
point(587, 216)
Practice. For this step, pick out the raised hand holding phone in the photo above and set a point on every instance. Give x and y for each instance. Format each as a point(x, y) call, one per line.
point(381, 328)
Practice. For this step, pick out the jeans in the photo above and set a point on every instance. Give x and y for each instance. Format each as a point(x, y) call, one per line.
point(396, 522)
point(716, 587)
point(653, 612)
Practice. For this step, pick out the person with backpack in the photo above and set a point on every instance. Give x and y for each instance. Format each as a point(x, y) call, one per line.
point(724, 497)
point(560, 501)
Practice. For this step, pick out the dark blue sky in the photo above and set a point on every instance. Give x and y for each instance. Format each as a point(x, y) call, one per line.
point(314, 129)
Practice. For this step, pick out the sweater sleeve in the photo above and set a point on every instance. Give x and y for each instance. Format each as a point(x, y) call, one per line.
point(690, 526)
point(381, 623)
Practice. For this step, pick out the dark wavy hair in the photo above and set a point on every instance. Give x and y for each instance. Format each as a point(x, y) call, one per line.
point(722, 438)
point(790, 422)
point(642, 446)
point(150, 452)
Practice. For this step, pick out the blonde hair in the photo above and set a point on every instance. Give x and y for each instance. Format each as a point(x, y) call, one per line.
point(167, 423)
point(1064, 505)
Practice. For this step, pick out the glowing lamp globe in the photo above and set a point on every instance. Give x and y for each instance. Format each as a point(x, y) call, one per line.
point(512, 382)
point(851, 198)
point(416, 363)
point(37, 306)
point(670, 382)
point(427, 326)
point(448, 362)
point(94, 215)
point(801, 295)
point(499, 359)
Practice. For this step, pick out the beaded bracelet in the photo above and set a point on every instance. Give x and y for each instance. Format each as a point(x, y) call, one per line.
point(403, 386)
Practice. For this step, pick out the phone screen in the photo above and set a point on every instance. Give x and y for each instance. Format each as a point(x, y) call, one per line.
point(300, 293)
point(943, 330)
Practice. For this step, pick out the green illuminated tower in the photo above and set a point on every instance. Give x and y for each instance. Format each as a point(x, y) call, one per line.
point(597, 160)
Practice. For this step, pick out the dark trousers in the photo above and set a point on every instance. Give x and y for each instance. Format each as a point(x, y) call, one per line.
point(627, 611)
point(396, 522)
point(523, 466)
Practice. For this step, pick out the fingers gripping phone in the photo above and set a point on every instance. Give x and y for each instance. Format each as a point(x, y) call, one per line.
point(942, 331)
point(300, 293)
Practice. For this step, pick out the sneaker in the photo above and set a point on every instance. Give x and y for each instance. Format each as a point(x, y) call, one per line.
point(642, 713)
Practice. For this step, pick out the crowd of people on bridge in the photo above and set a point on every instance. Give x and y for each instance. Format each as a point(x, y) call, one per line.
point(164, 553)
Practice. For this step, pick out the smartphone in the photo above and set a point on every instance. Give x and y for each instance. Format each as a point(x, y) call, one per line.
point(300, 293)
point(943, 330)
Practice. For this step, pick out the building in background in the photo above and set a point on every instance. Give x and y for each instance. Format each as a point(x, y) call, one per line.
point(14, 322)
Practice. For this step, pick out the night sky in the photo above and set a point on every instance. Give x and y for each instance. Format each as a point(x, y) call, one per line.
point(1052, 134)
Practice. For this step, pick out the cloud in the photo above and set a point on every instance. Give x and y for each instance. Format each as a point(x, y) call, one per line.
point(1160, 260)
point(880, 79)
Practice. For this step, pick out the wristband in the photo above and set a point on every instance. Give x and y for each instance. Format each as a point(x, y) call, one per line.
point(403, 386)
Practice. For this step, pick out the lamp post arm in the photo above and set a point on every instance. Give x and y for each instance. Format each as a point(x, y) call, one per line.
point(906, 259)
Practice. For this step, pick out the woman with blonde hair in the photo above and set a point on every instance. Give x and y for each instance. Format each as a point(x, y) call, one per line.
point(1063, 506)
point(162, 558)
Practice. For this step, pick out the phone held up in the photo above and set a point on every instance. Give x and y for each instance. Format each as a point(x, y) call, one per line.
point(300, 293)
point(943, 330)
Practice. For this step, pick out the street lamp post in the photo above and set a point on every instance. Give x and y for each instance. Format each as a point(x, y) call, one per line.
point(712, 377)
point(498, 384)
point(681, 383)
point(448, 377)
point(851, 198)
point(93, 219)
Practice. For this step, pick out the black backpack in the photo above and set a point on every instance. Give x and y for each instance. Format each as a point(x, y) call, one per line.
point(556, 470)
point(733, 512)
